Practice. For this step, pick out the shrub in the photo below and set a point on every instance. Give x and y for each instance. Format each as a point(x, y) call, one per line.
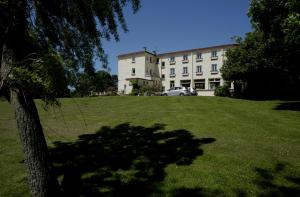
point(222, 91)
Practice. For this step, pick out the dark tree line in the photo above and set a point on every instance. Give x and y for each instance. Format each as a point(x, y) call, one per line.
point(265, 64)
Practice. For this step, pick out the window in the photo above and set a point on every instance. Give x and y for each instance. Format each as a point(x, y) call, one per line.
point(213, 83)
point(185, 57)
point(199, 69)
point(214, 54)
point(185, 70)
point(150, 72)
point(172, 84)
point(172, 60)
point(157, 60)
point(185, 83)
point(199, 84)
point(199, 55)
point(150, 59)
point(133, 71)
point(214, 68)
point(133, 59)
point(162, 64)
point(163, 76)
point(172, 71)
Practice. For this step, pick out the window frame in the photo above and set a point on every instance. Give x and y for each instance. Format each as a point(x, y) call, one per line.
point(214, 68)
point(185, 70)
point(172, 71)
point(197, 70)
point(133, 71)
point(199, 55)
point(214, 53)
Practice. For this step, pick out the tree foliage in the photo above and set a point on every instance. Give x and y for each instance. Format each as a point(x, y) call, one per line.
point(85, 84)
point(42, 43)
point(51, 38)
point(265, 62)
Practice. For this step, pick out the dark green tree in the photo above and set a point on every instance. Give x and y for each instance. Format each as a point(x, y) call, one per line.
point(103, 81)
point(41, 42)
point(85, 84)
point(266, 61)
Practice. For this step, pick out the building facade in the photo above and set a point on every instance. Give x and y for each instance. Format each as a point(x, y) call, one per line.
point(197, 68)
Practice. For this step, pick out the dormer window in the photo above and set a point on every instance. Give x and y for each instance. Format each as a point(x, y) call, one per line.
point(199, 55)
point(185, 59)
point(172, 60)
point(214, 54)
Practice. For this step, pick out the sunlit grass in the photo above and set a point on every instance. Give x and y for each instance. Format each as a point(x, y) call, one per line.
point(252, 139)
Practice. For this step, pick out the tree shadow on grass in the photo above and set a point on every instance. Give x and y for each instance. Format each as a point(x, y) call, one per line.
point(292, 106)
point(274, 182)
point(122, 161)
point(268, 181)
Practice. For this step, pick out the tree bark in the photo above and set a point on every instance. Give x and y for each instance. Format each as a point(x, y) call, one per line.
point(42, 182)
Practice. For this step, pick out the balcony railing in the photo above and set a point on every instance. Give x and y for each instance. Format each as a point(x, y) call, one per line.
point(172, 62)
point(214, 57)
point(199, 59)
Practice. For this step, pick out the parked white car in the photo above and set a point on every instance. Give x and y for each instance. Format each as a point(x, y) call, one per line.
point(177, 91)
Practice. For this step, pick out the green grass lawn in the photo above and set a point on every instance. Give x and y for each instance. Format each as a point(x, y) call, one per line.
point(163, 146)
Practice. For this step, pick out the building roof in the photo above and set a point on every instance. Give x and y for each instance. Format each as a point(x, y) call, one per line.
point(175, 52)
point(135, 53)
point(197, 49)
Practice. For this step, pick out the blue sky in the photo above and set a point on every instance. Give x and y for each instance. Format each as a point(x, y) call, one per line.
point(168, 25)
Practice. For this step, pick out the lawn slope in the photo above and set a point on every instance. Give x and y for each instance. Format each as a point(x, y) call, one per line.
point(163, 146)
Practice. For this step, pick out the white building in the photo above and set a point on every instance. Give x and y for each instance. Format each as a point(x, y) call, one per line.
point(197, 68)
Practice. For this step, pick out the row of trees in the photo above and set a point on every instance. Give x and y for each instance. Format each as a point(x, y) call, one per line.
point(100, 82)
point(266, 62)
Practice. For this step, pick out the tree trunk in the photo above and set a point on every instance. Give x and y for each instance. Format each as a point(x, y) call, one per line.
point(41, 180)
